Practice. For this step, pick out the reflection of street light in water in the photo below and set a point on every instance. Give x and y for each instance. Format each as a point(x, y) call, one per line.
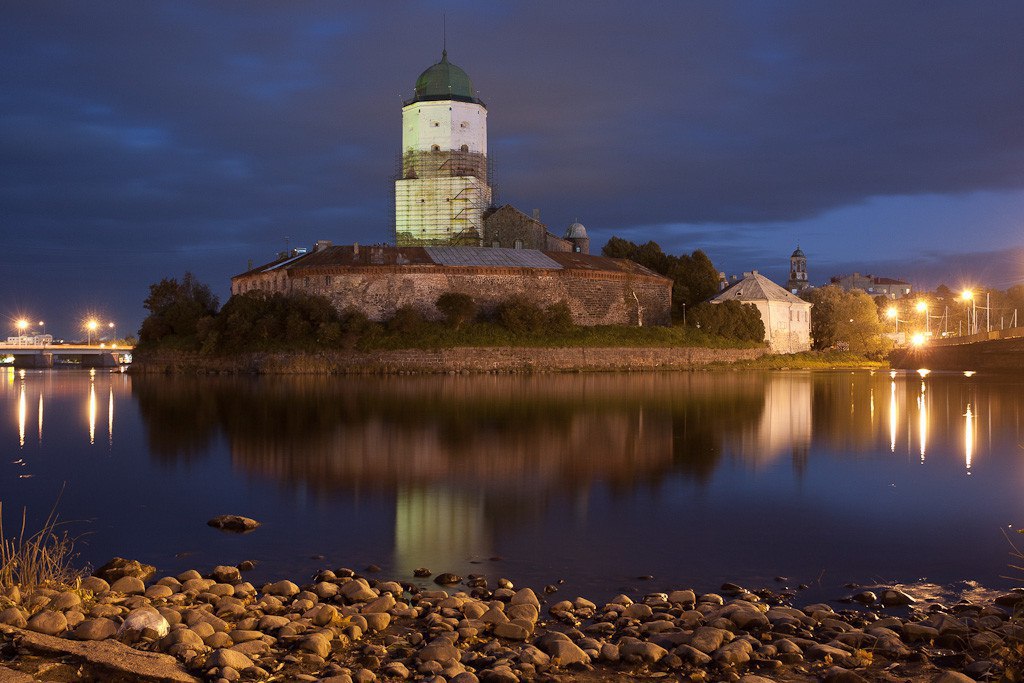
point(922, 421)
point(892, 416)
point(969, 438)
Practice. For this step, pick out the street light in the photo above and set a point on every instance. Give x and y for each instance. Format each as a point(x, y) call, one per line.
point(917, 339)
point(21, 325)
point(112, 334)
point(895, 315)
point(91, 325)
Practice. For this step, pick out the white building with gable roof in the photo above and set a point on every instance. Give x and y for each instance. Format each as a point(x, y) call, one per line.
point(786, 317)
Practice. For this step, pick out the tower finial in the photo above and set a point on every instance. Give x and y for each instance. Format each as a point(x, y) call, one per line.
point(444, 36)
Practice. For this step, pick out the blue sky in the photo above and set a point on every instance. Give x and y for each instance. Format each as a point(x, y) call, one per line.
point(141, 140)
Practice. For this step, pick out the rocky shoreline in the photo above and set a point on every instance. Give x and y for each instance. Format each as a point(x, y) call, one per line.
point(121, 624)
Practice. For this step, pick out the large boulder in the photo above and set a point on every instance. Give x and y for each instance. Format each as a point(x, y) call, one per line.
point(235, 523)
point(120, 567)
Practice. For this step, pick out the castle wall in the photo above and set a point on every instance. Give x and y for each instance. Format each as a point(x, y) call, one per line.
point(594, 297)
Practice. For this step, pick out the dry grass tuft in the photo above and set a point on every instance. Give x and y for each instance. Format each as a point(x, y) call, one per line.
point(38, 560)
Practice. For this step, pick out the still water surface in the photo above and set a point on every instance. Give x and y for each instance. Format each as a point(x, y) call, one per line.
point(693, 478)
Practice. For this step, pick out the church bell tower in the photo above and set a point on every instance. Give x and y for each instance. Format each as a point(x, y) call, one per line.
point(797, 272)
point(443, 189)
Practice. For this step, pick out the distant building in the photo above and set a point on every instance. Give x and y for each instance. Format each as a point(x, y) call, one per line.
point(875, 286)
point(797, 272)
point(786, 317)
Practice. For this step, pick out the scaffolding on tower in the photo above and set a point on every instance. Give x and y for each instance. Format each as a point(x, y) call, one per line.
point(441, 197)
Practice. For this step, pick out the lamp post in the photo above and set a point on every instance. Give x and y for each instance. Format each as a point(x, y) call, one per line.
point(891, 312)
point(91, 327)
point(968, 295)
point(922, 307)
point(21, 325)
point(113, 333)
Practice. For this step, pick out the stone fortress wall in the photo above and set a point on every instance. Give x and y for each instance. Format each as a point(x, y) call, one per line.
point(595, 298)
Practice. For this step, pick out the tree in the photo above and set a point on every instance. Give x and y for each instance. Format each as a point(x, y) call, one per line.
point(849, 320)
point(694, 277)
point(177, 310)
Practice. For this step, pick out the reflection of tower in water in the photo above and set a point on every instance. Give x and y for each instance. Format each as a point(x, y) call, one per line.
point(437, 525)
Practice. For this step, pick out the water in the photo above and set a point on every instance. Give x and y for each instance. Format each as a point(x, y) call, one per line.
point(599, 479)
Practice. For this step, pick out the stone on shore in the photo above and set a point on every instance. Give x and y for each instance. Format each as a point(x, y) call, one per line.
point(95, 629)
point(236, 523)
point(48, 622)
point(119, 567)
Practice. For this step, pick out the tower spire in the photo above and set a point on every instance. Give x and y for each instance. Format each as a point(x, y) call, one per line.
point(444, 36)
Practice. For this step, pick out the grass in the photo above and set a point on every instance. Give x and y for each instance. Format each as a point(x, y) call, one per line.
point(30, 561)
point(441, 336)
point(811, 360)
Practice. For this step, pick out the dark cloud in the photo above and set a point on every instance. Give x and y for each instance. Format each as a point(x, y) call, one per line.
point(149, 138)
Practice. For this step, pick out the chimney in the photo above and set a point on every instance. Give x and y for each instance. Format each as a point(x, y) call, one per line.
point(322, 244)
point(355, 249)
point(536, 215)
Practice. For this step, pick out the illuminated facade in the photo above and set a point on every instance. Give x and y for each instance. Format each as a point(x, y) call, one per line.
point(443, 189)
point(786, 317)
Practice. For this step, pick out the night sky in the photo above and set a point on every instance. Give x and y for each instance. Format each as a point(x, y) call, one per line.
point(142, 139)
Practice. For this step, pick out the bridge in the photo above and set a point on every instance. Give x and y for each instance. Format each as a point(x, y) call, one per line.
point(998, 350)
point(89, 355)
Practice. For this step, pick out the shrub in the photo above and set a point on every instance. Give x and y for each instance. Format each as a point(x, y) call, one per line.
point(729, 319)
point(521, 316)
point(558, 318)
point(406, 320)
point(458, 309)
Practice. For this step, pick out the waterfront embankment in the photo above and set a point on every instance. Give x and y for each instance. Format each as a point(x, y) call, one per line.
point(446, 360)
point(120, 624)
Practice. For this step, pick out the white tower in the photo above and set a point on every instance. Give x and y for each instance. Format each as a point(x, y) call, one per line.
point(443, 190)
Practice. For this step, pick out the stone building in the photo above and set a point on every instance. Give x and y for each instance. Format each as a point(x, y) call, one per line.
point(448, 237)
point(873, 285)
point(379, 280)
point(509, 228)
point(786, 317)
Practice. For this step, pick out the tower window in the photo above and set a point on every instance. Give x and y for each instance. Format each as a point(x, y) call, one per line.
point(464, 124)
point(435, 148)
point(518, 244)
point(435, 124)
point(464, 148)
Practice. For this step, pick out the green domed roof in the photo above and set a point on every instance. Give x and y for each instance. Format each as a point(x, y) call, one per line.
point(444, 81)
